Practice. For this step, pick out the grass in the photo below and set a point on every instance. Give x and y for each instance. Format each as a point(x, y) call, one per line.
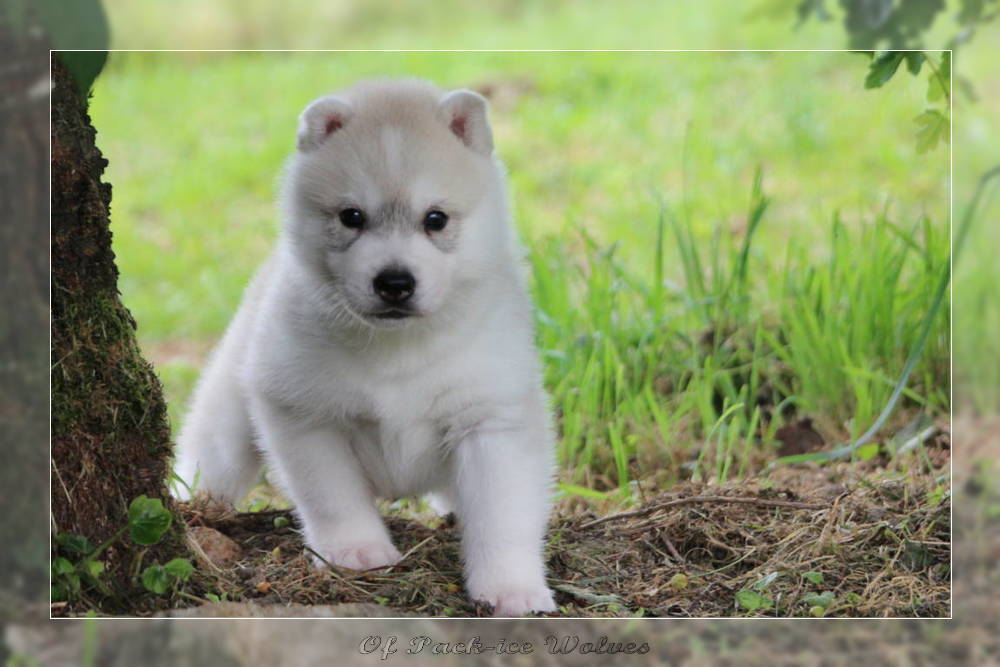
point(816, 140)
point(642, 370)
point(702, 271)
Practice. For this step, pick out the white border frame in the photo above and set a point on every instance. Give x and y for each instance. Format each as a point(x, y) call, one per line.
point(951, 343)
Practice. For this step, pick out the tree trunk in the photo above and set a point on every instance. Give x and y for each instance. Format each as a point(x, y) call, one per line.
point(110, 440)
point(24, 319)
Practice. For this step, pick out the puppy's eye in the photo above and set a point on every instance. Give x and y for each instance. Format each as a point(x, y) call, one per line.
point(352, 218)
point(435, 221)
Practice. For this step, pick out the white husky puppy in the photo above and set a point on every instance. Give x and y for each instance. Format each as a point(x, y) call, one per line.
point(386, 346)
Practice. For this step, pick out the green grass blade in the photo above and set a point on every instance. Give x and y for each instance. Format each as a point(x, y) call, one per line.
point(918, 348)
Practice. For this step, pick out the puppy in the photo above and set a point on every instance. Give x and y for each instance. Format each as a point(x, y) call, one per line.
point(386, 347)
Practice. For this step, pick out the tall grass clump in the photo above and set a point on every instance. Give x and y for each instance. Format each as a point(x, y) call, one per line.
point(846, 324)
point(688, 366)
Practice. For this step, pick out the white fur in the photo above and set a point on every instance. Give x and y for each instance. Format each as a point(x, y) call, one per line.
point(347, 407)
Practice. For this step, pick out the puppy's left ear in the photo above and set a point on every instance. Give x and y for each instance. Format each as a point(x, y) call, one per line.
point(321, 119)
point(465, 113)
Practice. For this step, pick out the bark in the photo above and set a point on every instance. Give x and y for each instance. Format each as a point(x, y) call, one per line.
point(110, 440)
point(24, 318)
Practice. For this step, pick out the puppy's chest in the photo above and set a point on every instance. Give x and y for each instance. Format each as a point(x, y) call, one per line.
point(339, 388)
point(398, 435)
point(400, 459)
point(398, 421)
point(397, 398)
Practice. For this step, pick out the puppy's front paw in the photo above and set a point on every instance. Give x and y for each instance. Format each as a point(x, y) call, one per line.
point(518, 601)
point(361, 556)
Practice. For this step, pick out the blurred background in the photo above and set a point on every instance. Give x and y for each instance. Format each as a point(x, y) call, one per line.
point(720, 241)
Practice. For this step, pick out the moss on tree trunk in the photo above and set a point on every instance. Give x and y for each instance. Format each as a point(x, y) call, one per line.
point(110, 439)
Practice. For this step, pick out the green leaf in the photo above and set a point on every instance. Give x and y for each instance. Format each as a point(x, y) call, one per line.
point(883, 68)
point(934, 127)
point(156, 579)
point(93, 567)
point(914, 59)
point(179, 568)
point(75, 544)
point(160, 578)
point(936, 496)
point(148, 519)
point(77, 25)
point(61, 566)
point(60, 592)
point(752, 600)
point(867, 452)
point(814, 577)
point(824, 599)
point(939, 82)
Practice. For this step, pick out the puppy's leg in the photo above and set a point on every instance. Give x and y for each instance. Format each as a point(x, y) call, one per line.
point(442, 501)
point(325, 481)
point(215, 453)
point(502, 479)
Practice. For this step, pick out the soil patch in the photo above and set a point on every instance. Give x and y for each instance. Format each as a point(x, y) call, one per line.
point(848, 539)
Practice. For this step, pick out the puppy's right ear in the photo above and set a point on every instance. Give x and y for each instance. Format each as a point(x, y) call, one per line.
point(321, 119)
point(465, 113)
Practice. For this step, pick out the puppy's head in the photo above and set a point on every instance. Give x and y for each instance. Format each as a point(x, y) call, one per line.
point(394, 200)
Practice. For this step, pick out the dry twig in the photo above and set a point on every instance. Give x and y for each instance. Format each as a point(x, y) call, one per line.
point(763, 502)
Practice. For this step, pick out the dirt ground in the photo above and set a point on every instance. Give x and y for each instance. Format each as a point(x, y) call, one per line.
point(862, 539)
point(971, 638)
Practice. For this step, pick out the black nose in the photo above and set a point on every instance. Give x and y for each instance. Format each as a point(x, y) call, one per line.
point(394, 285)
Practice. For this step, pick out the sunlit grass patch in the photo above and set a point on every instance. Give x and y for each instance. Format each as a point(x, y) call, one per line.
point(651, 376)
